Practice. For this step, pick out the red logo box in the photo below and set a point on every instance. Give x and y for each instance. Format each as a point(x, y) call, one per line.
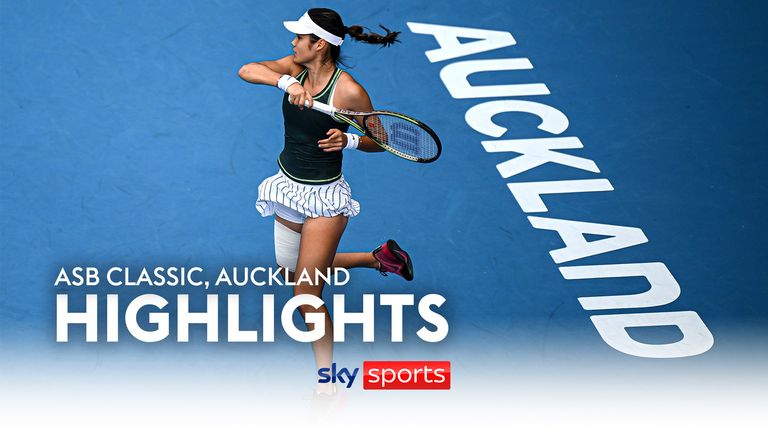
point(407, 375)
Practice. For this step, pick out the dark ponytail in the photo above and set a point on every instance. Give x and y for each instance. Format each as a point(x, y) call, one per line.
point(331, 21)
point(373, 38)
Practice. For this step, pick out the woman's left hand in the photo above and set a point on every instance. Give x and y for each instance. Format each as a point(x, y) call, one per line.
point(336, 141)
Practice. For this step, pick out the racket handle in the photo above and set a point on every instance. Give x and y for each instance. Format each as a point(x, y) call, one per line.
point(323, 108)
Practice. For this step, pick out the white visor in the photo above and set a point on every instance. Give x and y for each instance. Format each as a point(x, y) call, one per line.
point(305, 25)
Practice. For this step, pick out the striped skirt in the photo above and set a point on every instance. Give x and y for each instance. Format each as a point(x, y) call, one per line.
point(325, 200)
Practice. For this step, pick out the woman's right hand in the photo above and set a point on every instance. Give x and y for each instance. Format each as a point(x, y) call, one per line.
point(299, 96)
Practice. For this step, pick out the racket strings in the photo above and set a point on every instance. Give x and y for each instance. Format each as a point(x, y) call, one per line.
point(402, 136)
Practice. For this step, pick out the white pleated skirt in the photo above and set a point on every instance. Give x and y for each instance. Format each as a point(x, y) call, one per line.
point(278, 192)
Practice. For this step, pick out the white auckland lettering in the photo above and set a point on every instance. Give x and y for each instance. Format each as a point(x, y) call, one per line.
point(577, 246)
point(664, 288)
point(479, 117)
point(455, 76)
point(535, 152)
point(528, 194)
point(450, 46)
point(696, 340)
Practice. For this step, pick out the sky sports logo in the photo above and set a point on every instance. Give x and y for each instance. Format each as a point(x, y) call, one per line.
point(393, 375)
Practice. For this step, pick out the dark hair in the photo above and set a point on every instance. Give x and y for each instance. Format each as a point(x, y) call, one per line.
point(331, 21)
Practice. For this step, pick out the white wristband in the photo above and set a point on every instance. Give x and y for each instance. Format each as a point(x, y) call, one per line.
point(286, 81)
point(352, 141)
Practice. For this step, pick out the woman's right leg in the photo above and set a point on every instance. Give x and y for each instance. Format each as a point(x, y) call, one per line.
point(319, 240)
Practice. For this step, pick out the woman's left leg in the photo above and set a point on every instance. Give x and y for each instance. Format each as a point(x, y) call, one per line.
point(319, 240)
point(350, 260)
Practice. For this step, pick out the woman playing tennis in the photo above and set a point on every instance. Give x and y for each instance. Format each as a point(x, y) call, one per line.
point(309, 198)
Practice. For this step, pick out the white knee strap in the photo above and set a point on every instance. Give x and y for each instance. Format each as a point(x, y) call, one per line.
point(287, 243)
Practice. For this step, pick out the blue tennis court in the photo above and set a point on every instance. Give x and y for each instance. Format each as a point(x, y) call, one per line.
point(128, 140)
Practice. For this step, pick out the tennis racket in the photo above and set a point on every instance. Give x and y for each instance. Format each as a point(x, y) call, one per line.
point(397, 133)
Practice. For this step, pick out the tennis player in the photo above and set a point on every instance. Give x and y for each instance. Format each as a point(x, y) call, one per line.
point(309, 198)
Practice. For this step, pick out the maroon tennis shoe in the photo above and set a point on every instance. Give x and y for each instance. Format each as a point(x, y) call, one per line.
point(392, 259)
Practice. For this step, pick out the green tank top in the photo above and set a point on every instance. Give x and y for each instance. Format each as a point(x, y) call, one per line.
point(301, 159)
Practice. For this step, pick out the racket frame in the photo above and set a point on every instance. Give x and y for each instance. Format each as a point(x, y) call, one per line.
point(348, 117)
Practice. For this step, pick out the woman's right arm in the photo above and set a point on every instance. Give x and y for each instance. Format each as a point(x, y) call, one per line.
point(268, 72)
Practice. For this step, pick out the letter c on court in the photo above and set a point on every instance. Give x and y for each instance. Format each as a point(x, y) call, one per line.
point(479, 117)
